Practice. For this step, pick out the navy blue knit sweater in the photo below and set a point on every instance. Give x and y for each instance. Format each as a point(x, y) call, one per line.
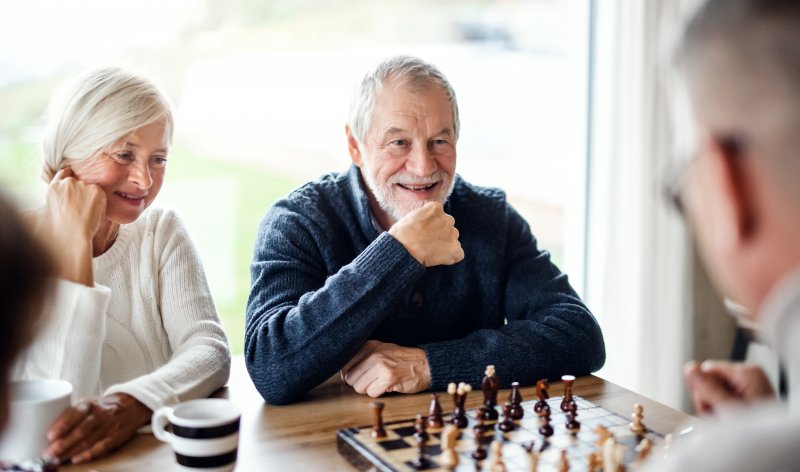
point(324, 281)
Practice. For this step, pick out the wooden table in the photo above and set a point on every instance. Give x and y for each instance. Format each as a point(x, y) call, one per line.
point(303, 436)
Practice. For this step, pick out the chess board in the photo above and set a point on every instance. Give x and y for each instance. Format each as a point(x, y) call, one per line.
point(398, 450)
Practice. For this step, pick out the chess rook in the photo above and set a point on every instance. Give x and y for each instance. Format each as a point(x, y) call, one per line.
point(515, 398)
point(568, 381)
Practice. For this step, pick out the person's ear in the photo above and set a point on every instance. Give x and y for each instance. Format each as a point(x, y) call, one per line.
point(352, 146)
point(729, 160)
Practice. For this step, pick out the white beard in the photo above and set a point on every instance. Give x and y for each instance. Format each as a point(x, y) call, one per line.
point(385, 197)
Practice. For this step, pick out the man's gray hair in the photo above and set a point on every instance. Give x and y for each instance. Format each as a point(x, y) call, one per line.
point(402, 71)
point(742, 57)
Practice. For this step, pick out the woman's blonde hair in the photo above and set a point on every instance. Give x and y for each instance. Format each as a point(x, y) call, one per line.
point(97, 110)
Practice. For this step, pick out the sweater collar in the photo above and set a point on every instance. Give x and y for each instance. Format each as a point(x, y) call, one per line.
point(360, 200)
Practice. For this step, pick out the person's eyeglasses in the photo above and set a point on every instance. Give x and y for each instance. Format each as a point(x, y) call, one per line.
point(675, 183)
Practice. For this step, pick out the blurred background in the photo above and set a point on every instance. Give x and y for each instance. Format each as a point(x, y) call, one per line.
point(262, 92)
point(565, 104)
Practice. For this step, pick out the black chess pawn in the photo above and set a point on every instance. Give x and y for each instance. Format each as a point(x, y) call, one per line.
point(419, 428)
point(459, 397)
point(490, 385)
point(573, 425)
point(546, 429)
point(515, 398)
point(377, 421)
point(508, 423)
point(479, 453)
point(480, 421)
point(435, 413)
point(422, 460)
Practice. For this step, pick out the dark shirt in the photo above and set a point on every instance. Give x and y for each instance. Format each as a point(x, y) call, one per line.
point(325, 280)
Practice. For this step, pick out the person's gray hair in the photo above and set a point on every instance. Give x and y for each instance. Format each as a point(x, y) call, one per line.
point(742, 59)
point(405, 71)
point(95, 111)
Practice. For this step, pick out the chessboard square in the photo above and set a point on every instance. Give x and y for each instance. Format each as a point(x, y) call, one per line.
point(591, 413)
point(394, 444)
point(521, 436)
point(434, 450)
point(583, 404)
point(563, 441)
point(531, 422)
point(404, 431)
point(617, 420)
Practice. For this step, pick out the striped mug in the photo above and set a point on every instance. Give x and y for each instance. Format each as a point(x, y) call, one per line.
point(204, 434)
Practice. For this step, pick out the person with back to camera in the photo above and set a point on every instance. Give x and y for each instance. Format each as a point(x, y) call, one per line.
point(741, 63)
point(132, 324)
point(25, 268)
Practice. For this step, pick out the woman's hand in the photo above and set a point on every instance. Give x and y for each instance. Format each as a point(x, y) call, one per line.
point(69, 220)
point(95, 427)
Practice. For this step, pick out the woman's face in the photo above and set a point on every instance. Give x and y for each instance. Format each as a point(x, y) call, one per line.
point(131, 172)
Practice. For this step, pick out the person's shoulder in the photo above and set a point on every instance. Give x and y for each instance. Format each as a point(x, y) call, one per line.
point(326, 187)
point(758, 437)
point(467, 190)
point(474, 198)
point(314, 201)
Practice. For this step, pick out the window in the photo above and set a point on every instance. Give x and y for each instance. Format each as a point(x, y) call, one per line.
point(262, 92)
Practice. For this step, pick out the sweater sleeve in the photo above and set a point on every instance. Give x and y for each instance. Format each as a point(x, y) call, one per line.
point(75, 316)
point(548, 332)
point(200, 361)
point(303, 325)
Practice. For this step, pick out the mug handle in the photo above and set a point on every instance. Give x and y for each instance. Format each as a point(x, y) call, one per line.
point(159, 424)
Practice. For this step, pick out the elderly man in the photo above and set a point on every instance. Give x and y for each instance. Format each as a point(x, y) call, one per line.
point(741, 61)
point(400, 274)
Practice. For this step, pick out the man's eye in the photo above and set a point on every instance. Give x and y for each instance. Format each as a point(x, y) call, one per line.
point(439, 141)
point(399, 142)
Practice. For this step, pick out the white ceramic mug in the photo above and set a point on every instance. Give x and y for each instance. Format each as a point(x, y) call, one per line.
point(204, 434)
point(35, 405)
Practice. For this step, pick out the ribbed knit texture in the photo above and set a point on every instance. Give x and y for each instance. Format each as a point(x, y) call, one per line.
point(324, 281)
point(148, 328)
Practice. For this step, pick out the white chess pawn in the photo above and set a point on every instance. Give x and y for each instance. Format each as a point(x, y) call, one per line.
point(497, 457)
point(613, 454)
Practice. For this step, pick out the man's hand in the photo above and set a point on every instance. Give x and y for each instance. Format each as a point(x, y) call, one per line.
point(714, 383)
point(384, 367)
point(429, 235)
point(93, 428)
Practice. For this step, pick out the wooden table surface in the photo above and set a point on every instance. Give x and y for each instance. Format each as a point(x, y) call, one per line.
point(302, 436)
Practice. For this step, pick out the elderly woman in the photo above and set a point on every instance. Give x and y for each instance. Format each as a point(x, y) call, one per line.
point(132, 324)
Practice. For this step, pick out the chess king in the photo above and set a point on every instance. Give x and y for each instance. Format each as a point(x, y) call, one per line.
point(741, 63)
point(400, 274)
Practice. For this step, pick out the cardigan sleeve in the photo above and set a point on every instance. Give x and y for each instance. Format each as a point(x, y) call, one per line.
point(303, 325)
point(548, 332)
point(200, 361)
point(74, 316)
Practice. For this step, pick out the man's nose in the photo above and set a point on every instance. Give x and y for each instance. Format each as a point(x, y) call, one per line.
point(420, 161)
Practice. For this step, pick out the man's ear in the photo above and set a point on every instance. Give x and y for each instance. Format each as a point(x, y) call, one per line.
point(729, 162)
point(352, 146)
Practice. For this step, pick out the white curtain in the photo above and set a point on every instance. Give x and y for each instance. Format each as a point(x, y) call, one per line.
point(638, 260)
